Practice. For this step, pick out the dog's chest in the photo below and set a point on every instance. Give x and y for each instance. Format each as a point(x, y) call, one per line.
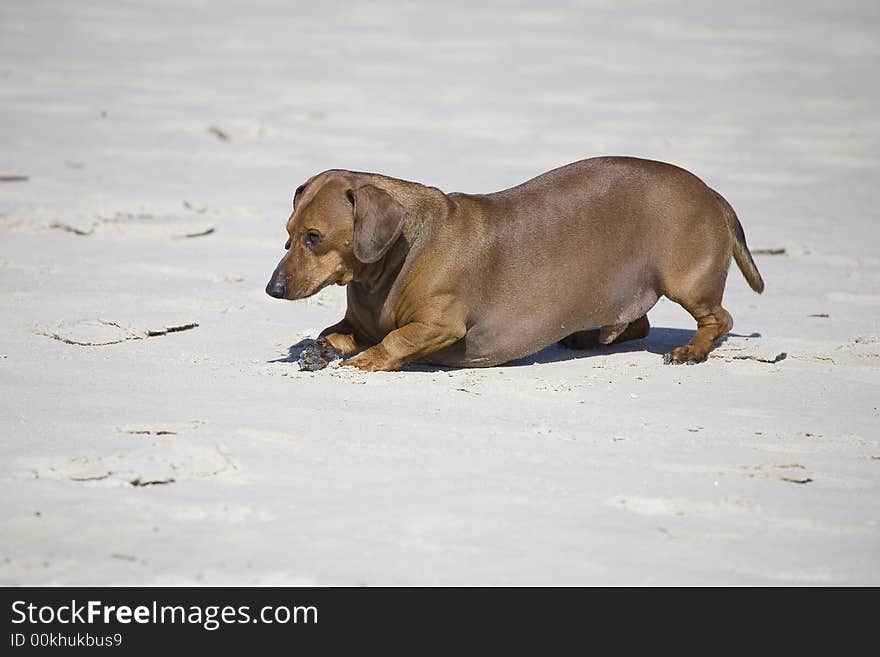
point(370, 312)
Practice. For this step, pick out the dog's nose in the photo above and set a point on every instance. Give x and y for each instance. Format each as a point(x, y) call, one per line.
point(276, 289)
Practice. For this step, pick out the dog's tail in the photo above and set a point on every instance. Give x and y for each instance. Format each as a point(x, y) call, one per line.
point(741, 252)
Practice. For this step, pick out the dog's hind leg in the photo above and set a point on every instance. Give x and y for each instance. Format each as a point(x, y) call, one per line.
point(699, 289)
point(713, 322)
point(612, 334)
point(702, 299)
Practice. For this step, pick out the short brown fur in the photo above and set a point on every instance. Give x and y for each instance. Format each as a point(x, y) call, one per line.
point(477, 280)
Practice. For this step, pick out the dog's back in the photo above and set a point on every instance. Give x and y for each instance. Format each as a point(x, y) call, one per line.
point(594, 243)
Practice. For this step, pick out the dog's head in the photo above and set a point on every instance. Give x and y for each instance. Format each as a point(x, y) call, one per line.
point(340, 223)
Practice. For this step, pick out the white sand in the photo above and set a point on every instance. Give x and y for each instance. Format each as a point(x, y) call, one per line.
point(565, 468)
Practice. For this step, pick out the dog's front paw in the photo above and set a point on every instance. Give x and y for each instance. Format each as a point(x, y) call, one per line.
point(371, 360)
point(344, 343)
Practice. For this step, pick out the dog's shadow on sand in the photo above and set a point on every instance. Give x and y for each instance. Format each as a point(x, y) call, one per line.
point(294, 351)
point(659, 341)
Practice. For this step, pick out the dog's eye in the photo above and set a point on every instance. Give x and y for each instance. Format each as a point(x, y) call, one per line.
point(312, 238)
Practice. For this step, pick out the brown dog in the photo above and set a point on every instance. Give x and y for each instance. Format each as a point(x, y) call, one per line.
point(476, 280)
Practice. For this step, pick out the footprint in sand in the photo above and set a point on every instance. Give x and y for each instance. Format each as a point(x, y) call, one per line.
point(160, 463)
point(102, 332)
point(794, 473)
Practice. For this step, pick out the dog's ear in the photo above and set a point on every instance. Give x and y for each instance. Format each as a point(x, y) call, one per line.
point(378, 222)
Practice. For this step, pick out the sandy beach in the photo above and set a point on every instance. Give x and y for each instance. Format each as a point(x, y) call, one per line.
point(155, 427)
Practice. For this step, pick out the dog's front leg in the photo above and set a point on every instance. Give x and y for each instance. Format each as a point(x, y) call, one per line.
point(409, 342)
point(342, 336)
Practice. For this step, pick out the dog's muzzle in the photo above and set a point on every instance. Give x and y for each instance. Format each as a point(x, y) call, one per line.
point(276, 288)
